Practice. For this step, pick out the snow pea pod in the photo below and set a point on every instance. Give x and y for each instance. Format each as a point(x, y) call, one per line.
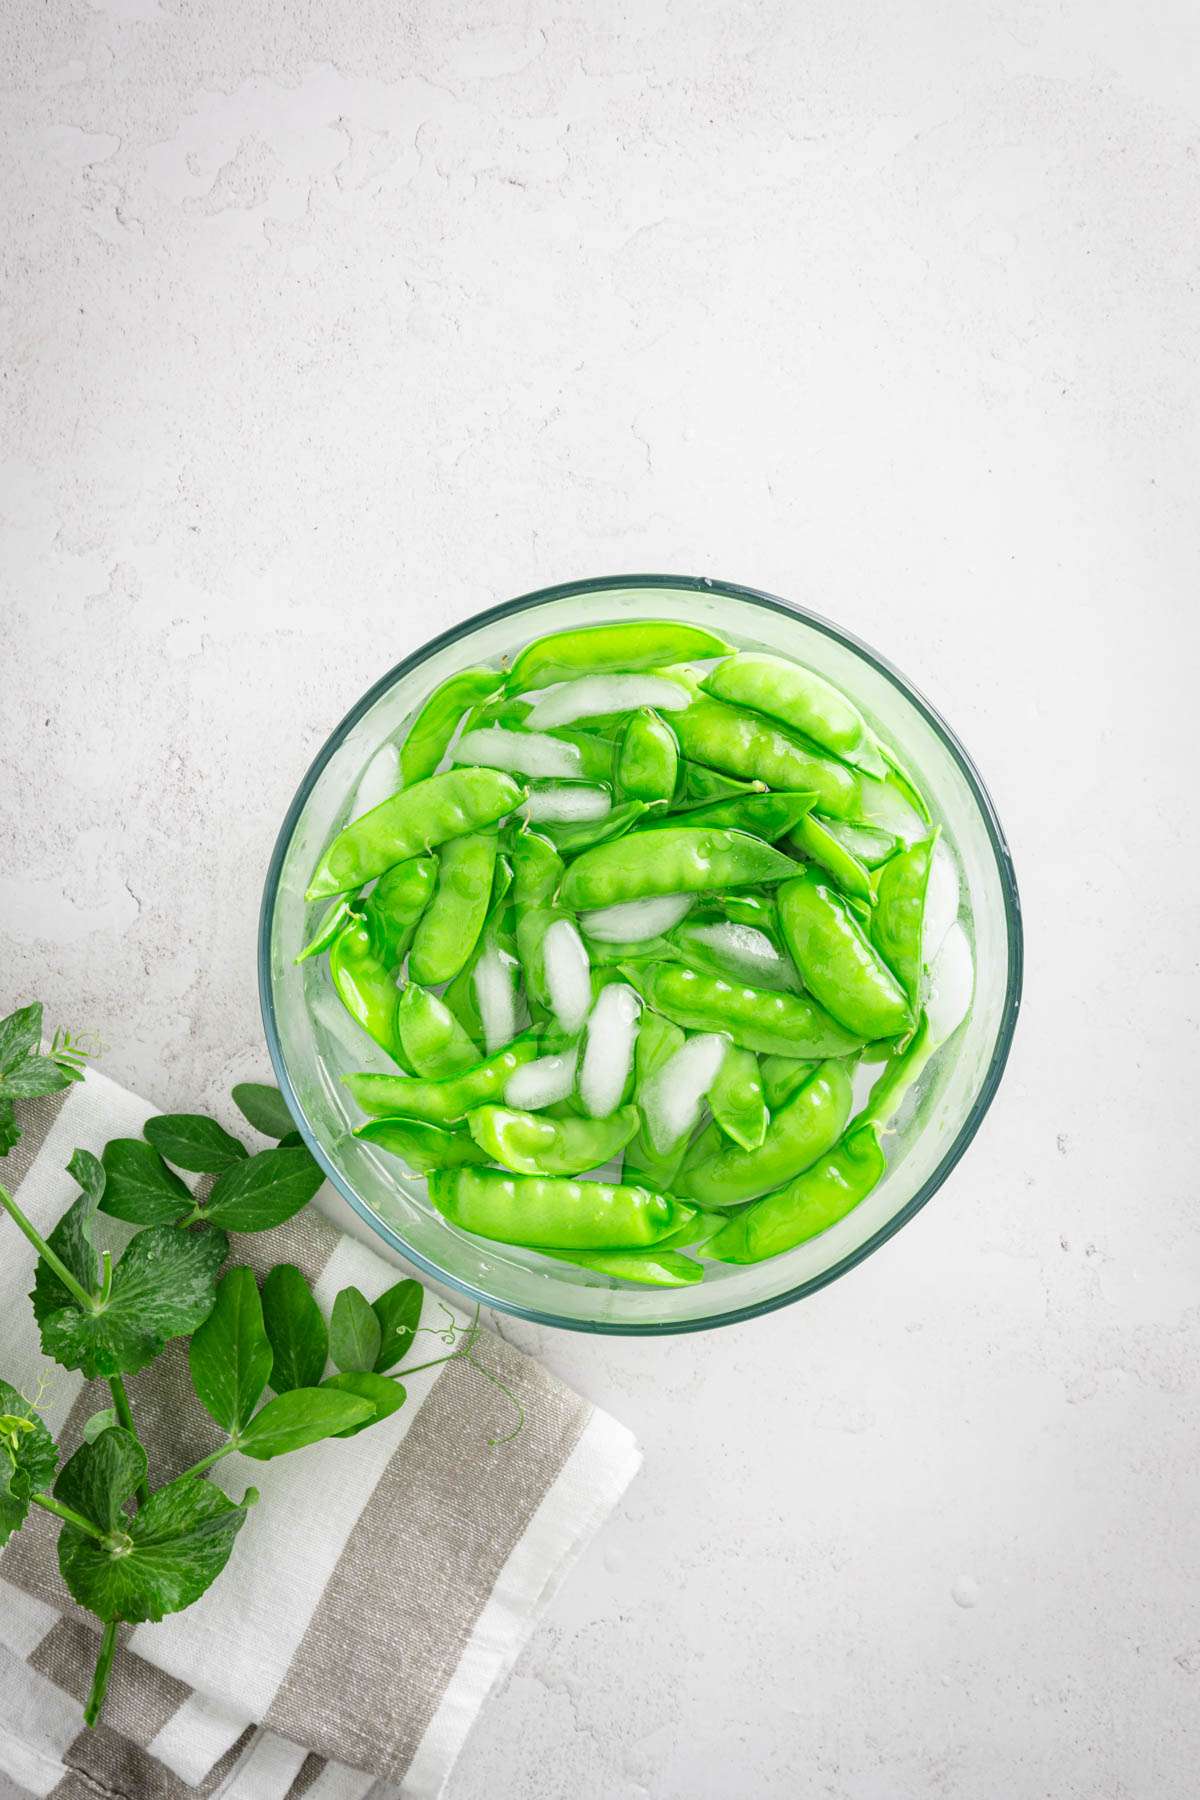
point(813, 839)
point(648, 759)
point(441, 1102)
point(423, 1147)
point(435, 1043)
point(648, 1268)
point(553, 1212)
point(865, 843)
point(418, 818)
point(737, 952)
point(331, 922)
point(800, 699)
point(897, 923)
point(699, 785)
point(584, 834)
point(781, 1076)
point(527, 1144)
point(736, 1099)
point(805, 1128)
point(461, 995)
point(755, 1018)
point(449, 928)
point(677, 859)
point(837, 961)
point(610, 649)
point(394, 906)
point(744, 744)
point(807, 1206)
point(430, 733)
point(365, 987)
point(658, 1040)
point(769, 816)
point(538, 870)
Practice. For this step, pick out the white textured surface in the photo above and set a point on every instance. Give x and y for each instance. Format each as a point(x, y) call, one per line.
point(324, 325)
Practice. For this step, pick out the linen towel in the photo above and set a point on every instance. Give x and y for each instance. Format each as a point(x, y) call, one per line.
point(379, 1591)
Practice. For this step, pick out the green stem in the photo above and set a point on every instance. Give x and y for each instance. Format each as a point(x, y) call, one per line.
point(86, 1300)
point(206, 1462)
point(104, 1663)
point(116, 1388)
point(106, 1275)
point(70, 1517)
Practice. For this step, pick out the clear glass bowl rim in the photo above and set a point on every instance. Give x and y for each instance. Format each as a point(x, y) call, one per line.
point(1008, 885)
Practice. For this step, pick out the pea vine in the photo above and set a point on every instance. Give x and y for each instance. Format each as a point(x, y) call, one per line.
point(257, 1356)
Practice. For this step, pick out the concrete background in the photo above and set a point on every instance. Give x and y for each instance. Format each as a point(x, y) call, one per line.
point(325, 325)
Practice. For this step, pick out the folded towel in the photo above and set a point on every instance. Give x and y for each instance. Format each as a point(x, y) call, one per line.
point(374, 1597)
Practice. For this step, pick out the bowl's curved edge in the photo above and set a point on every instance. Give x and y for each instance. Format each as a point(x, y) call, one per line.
point(1004, 1036)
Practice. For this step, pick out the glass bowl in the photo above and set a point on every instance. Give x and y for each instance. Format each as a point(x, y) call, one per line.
point(307, 1032)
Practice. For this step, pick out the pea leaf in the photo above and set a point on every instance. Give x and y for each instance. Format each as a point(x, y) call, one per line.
point(264, 1107)
point(139, 1187)
point(88, 1171)
point(399, 1314)
point(71, 1241)
point(10, 1131)
point(163, 1287)
point(99, 1421)
point(264, 1190)
point(295, 1329)
point(174, 1549)
point(230, 1354)
point(354, 1331)
point(289, 1139)
point(32, 1076)
point(192, 1141)
point(28, 1459)
point(20, 1033)
point(385, 1396)
point(102, 1477)
point(303, 1416)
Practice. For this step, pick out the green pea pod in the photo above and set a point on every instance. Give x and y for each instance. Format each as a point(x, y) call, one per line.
point(864, 842)
point(450, 926)
point(697, 1230)
point(657, 1041)
point(680, 859)
point(837, 961)
point(365, 988)
point(800, 699)
point(899, 916)
point(537, 875)
point(394, 906)
point(749, 909)
point(598, 754)
point(611, 649)
point(648, 761)
point(738, 952)
point(813, 839)
point(418, 818)
point(528, 1144)
point(807, 1206)
point(505, 711)
point(736, 1099)
point(583, 834)
point(775, 1024)
point(804, 1129)
point(900, 1074)
point(460, 996)
point(699, 785)
point(769, 816)
point(435, 1043)
point(331, 922)
point(741, 743)
point(648, 1268)
point(781, 1076)
point(423, 1147)
point(441, 1102)
point(430, 733)
point(644, 950)
point(553, 1212)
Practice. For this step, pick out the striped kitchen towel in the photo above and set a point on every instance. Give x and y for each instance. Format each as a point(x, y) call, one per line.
point(383, 1586)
